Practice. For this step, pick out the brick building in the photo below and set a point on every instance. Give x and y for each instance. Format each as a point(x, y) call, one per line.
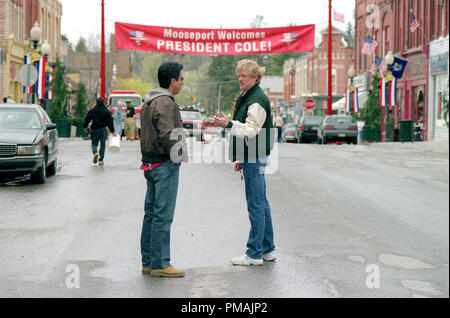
point(17, 17)
point(307, 77)
point(389, 23)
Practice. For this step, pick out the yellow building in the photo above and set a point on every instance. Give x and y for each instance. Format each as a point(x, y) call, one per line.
point(17, 17)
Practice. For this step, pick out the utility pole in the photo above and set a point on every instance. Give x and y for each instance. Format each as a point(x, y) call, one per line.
point(103, 80)
point(330, 62)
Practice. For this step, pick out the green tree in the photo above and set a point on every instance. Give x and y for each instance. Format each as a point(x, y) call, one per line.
point(81, 45)
point(371, 113)
point(136, 84)
point(61, 93)
point(349, 35)
point(81, 104)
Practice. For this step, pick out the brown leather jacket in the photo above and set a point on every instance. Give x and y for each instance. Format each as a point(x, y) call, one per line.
point(162, 135)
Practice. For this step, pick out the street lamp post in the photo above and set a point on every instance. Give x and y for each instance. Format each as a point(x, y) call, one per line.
point(389, 59)
point(351, 73)
point(35, 34)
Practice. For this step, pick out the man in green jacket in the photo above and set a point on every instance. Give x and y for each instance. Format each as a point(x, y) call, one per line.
point(163, 149)
point(251, 144)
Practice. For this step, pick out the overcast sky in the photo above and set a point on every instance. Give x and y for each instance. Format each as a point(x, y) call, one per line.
point(83, 17)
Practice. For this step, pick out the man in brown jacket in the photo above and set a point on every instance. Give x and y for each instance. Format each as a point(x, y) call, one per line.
point(163, 148)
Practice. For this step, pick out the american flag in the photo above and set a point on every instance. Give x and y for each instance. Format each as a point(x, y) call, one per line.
point(376, 64)
point(414, 24)
point(339, 17)
point(383, 67)
point(370, 45)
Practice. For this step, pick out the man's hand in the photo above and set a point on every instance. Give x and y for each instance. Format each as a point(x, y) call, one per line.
point(237, 166)
point(115, 134)
point(221, 121)
point(85, 130)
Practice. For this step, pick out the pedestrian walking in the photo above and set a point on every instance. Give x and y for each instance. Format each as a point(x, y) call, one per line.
point(130, 124)
point(161, 160)
point(118, 119)
point(252, 141)
point(99, 117)
point(279, 123)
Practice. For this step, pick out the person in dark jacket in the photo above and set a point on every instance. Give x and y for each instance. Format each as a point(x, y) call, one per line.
point(100, 118)
point(251, 144)
point(163, 148)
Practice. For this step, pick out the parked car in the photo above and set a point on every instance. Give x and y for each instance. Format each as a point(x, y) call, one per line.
point(308, 128)
point(193, 125)
point(338, 128)
point(291, 133)
point(28, 142)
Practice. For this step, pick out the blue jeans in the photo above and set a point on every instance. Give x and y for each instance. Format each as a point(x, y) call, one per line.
point(260, 239)
point(160, 199)
point(99, 135)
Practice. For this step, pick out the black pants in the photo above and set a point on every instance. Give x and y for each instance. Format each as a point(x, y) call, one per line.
point(99, 135)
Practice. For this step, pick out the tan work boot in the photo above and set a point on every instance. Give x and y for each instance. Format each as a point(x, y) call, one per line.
point(146, 270)
point(167, 272)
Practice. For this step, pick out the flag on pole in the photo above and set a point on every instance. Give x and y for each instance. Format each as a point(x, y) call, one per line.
point(414, 23)
point(50, 77)
point(392, 92)
point(351, 101)
point(27, 89)
point(388, 92)
point(377, 61)
point(398, 68)
point(376, 65)
point(383, 67)
point(41, 78)
point(339, 17)
point(370, 45)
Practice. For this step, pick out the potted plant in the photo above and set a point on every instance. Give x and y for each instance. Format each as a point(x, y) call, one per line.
point(59, 102)
point(80, 109)
point(371, 114)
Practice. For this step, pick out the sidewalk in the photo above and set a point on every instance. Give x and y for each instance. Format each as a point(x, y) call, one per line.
point(428, 146)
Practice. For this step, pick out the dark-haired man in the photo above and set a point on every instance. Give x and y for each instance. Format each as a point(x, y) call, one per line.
point(162, 153)
point(100, 117)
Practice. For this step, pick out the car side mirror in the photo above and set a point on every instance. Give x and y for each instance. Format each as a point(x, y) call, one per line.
point(50, 126)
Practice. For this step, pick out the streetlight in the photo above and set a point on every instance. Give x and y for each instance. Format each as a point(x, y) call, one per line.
point(351, 73)
point(389, 59)
point(46, 48)
point(35, 33)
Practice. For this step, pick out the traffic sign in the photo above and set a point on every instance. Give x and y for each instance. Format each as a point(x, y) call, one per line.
point(310, 104)
point(28, 75)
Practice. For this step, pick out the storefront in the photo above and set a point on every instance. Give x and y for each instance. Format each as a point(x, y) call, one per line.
point(438, 89)
point(412, 93)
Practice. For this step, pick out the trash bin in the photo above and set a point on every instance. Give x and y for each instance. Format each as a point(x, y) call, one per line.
point(63, 127)
point(406, 130)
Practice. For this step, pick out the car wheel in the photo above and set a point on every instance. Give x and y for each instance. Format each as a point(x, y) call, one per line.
point(40, 176)
point(51, 170)
point(355, 141)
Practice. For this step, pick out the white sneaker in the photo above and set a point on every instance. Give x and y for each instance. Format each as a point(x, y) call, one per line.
point(269, 257)
point(245, 260)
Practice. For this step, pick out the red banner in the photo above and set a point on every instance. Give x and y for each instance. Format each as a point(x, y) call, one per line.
point(215, 41)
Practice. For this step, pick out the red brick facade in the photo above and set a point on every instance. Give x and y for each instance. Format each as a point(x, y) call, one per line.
point(389, 23)
point(318, 65)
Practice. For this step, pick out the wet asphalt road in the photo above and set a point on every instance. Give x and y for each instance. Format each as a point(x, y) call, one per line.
point(350, 221)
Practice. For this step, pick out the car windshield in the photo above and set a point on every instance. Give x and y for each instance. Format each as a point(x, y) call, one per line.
point(340, 120)
point(190, 116)
point(19, 118)
point(312, 120)
point(135, 101)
